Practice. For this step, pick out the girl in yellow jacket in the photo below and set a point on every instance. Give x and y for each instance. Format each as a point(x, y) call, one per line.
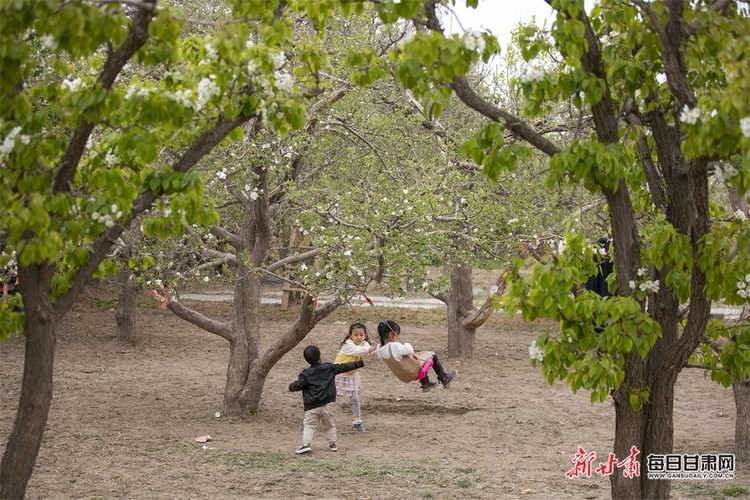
point(355, 346)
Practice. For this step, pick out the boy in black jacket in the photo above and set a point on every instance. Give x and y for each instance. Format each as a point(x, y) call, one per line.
point(318, 387)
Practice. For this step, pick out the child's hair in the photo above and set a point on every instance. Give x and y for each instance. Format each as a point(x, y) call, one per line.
point(312, 354)
point(353, 327)
point(386, 327)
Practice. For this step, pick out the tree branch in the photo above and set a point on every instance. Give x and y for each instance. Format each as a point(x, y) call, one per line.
point(101, 246)
point(135, 39)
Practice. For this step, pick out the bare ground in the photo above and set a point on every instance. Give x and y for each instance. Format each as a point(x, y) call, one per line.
point(124, 418)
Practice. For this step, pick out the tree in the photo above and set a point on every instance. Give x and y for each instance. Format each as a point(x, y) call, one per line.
point(81, 152)
point(663, 85)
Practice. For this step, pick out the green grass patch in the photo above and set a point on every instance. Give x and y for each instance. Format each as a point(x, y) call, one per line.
point(735, 491)
point(290, 463)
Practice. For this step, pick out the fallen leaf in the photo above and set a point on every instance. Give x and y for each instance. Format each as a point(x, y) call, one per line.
point(527, 492)
point(203, 439)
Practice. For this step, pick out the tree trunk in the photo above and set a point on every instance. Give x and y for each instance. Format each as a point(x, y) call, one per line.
point(741, 390)
point(125, 315)
point(650, 429)
point(36, 388)
point(461, 310)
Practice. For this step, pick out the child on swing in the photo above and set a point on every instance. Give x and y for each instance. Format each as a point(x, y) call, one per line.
point(394, 353)
point(355, 346)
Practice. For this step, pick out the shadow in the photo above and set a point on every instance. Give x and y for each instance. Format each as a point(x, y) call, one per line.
point(415, 408)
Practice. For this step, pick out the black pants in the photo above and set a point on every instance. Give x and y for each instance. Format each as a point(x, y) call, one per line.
point(439, 371)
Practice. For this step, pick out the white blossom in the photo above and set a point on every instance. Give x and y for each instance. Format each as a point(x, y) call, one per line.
point(474, 40)
point(254, 195)
point(131, 91)
point(72, 85)
point(10, 140)
point(284, 81)
point(252, 66)
point(221, 174)
point(631, 284)
point(560, 246)
point(741, 285)
point(49, 41)
point(303, 266)
point(111, 159)
point(649, 286)
point(493, 289)
point(205, 279)
point(533, 73)
point(725, 171)
point(536, 352)
point(642, 271)
point(184, 97)
point(347, 253)
point(249, 43)
point(745, 126)
point(690, 116)
point(739, 215)
point(211, 52)
point(25, 139)
point(207, 89)
point(278, 60)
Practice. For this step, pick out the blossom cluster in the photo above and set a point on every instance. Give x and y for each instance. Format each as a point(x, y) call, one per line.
point(473, 40)
point(284, 81)
point(725, 171)
point(533, 73)
point(10, 141)
point(648, 286)
point(108, 219)
point(207, 89)
point(253, 193)
point(536, 352)
point(745, 126)
point(72, 85)
point(690, 116)
point(743, 287)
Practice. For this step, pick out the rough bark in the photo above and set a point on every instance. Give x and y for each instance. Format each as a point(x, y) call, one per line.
point(460, 306)
point(125, 314)
point(741, 388)
point(36, 387)
point(741, 391)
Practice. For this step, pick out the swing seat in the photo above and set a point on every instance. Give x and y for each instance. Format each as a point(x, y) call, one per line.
point(425, 368)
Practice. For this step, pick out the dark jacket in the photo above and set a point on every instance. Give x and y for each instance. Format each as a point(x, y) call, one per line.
point(318, 385)
point(605, 266)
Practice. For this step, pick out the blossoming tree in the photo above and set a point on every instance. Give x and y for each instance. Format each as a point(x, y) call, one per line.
point(89, 142)
point(665, 86)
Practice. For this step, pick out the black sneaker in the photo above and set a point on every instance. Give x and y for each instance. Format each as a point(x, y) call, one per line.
point(446, 381)
point(333, 447)
point(428, 386)
point(304, 449)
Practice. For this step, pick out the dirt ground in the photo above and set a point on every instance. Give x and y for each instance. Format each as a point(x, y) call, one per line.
point(124, 418)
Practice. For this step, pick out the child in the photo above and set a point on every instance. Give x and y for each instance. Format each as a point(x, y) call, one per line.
point(402, 360)
point(356, 344)
point(318, 395)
